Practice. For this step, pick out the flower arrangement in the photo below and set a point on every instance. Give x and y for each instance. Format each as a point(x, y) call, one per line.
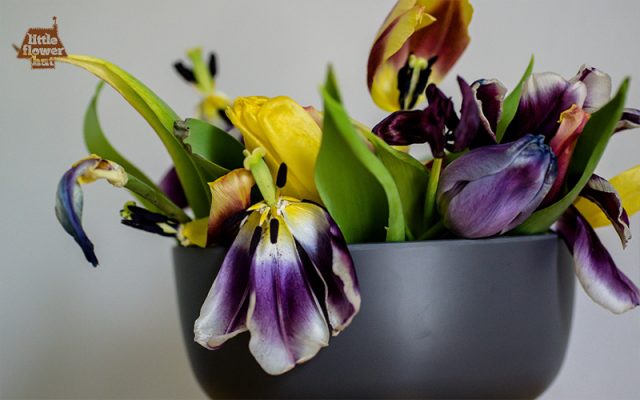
point(286, 188)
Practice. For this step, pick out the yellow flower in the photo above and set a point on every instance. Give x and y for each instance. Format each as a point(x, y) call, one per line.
point(418, 43)
point(289, 135)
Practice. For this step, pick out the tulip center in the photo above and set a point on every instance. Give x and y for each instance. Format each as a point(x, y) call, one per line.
point(412, 80)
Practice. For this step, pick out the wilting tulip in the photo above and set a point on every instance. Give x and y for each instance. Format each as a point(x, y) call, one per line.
point(438, 123)
point(69, 198)
point(420, 40)
point(547, 95)
point(492, 189)
point(263, 285)
point(287, 132)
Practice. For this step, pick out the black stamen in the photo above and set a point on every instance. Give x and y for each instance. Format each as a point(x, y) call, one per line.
point(213, 67)
point(281, 180)
point(223, 116)
point(404, 83)
point(255, 239)
point(274, 226)
point(185, 72)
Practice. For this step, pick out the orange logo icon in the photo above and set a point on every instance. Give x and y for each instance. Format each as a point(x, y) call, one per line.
point(41, 46)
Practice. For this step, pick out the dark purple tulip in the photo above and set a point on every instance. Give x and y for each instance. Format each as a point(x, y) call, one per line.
point(492, 189)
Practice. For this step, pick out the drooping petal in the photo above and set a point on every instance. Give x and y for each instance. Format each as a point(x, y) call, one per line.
point(223, 314)
point(544, 97)
point(604, 195)
point(627, 185)
point(286, 322)
point(409, 127)
point(492, 189)
point(489, 94)
point(598, 86)
point(322, 241)
point(171, 186)
point(630, 119)
point(392, 39)
point(446, 38)
point(69, 198)
point(466, 131)
point(595, 268)
point(230, 194)
point(572, 122)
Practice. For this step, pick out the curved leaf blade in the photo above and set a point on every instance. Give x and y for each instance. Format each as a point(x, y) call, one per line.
point(510, 104)
point(354, 185)
point(161, 118)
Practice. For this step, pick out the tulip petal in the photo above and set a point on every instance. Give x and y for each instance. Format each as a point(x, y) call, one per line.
point(410, 127)
point(627, 185)
point(466, 131)
point(630, 119)
point(572, 122)
point(595, 268)
point(223, 313)
point(288, 134)
point(171, 186)
point(286, 321)
point(230, 194)
point(322, 241)
point(447, 38)
point(489, 94)
point(598, 86)
point(544, 97)
point(600, 192)
point(403, 21)
point(69, 198)
point(492, 189)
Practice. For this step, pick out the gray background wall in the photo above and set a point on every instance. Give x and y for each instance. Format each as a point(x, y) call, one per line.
point(67, 330)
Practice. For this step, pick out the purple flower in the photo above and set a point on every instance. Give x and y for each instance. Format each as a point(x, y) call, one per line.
point(492, 189)
point(264, 285)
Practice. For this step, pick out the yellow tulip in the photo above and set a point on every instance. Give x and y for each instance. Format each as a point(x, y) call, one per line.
point(287, 132)
point(627, 184)
point(418, 42)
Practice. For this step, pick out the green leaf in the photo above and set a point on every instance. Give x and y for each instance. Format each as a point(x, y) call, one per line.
point(161, 118)
point(214, 144)
point(411, 179)
point(354, 185)
point(510, 104)
point(586, 155)
point(97, 143)
point(155, 198)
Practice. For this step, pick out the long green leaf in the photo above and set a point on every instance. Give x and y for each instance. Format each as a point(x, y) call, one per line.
point(586, 155)
point(161, 118)
point(97, 143)
point(156, 199)
point(354, 185)
point(510, 104)
point(411, 179)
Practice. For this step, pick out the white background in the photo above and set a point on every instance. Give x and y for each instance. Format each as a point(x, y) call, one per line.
point(68, 330)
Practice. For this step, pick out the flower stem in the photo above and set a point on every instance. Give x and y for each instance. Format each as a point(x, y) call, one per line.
point(157, 198)
point(433, 232)
point(432, 188)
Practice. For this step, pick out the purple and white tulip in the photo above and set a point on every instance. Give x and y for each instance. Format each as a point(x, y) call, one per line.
point(266, 283)
point(492, 189)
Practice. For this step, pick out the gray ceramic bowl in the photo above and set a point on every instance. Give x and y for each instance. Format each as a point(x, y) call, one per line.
point(439, 319)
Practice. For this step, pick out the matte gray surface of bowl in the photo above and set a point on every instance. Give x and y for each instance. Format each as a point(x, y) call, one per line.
point(439, 319)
